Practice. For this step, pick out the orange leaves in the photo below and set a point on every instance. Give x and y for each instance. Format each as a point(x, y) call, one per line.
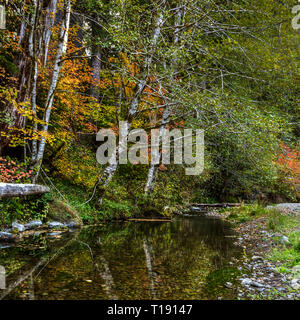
point(11, 172)
point(289, 160)
point(132, 68)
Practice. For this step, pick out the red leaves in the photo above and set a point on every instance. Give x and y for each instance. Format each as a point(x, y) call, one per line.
point(10, 172)
point(290, 161)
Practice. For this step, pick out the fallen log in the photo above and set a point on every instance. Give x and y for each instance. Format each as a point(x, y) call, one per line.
point(8, 190)
point(150, 219)
point(215, 205)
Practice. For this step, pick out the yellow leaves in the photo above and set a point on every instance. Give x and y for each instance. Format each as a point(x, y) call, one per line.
point(131, 67)
point(20, 136)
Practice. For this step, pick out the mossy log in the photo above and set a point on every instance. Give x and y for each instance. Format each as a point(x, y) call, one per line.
point(8, 190)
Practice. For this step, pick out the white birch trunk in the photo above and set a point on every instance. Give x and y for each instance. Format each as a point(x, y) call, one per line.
point(49, 23)
point(107, 277)
point(166, 116)
point(151, 274)
point(33, 56)
point(153, 167)
point(62, 47)
point(111, 169)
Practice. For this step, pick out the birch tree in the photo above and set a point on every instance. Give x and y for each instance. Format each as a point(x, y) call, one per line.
point(166, 114)
point(37, 157)
point(110, 170)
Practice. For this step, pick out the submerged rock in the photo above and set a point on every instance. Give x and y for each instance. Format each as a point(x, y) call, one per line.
point(17, 226)
point(33, 224)
point(6, 236)
point(56, 225)
point(72, 225)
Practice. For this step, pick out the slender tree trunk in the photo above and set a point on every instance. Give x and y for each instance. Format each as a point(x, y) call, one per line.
point(166, 116)
point(49, 23)
point(62, 47)
point(153, 167)
point(96, 64)
point(34, 57)
point(151, 274)
point(107, 276)
point(111, 169)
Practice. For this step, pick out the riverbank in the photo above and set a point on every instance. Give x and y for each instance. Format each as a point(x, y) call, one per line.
point(270, 238)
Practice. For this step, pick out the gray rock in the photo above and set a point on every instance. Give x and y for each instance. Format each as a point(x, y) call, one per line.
point(198, 209)
point(296, 269)
point(284, 240)
point(246, 281)
point(292, 208)
point(229, 285)
point(33, 224)
point(256, 258)
point(18, 226)
point(295, 284)
point(54, 234)
point(72, 225)
point(256, 284)
point(56, 224)
point(37, 233)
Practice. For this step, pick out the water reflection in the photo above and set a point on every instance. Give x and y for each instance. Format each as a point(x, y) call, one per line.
point(184, 259)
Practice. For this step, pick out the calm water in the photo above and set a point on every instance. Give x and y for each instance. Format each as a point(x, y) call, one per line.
point(184, 259)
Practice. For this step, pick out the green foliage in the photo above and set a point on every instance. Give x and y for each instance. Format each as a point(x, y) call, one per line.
point(8, 65)
point(24, 209)
point(280, 222)
point(116, 210)
point(75, 197)
point(289, 255)
point(246, 212)
point(239, 83)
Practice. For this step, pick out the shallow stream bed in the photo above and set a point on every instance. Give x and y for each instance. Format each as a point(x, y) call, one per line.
point(187, 258)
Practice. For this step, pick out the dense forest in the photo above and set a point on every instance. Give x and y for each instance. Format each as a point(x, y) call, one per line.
point(69, 68)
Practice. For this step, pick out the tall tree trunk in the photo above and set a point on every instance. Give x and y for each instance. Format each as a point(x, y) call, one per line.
point(107, 276)
point(62, 48)
point(166, 115)
point(151, 274)
point(96, 62)
point(49, 23)
point(34, 57)
point(110, 170)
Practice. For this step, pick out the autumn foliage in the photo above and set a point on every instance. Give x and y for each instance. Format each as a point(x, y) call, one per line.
point(11, 172)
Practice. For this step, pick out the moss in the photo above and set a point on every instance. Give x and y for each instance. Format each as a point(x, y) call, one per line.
point(62, 212)
point(245, 212)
